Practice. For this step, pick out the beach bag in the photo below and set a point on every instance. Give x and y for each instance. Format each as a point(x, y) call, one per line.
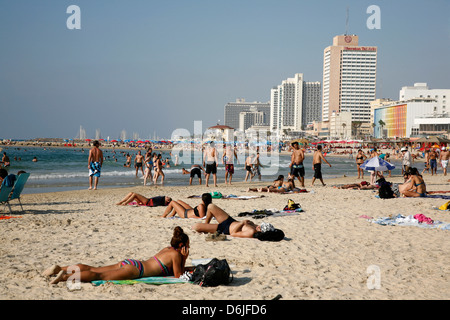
point(385, 191)
point(445, 206)
point(291, 205)
point(214, 273)
point(216, 195)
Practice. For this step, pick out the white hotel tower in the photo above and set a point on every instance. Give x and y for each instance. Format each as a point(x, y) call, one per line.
point(349, 78)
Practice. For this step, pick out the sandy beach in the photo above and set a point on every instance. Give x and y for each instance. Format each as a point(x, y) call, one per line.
point(326, 253)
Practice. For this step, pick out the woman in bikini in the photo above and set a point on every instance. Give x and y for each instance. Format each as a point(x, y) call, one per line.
point(169, 261)
point(226, 224)
point(277, 184)
point(148, 167)
point(158, 170)
point(186, 211)
point(360, 158)
point(414, 186)
point(144, 201)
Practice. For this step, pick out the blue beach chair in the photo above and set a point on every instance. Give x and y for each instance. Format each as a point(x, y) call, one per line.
point(4, 195)
point(18, 188)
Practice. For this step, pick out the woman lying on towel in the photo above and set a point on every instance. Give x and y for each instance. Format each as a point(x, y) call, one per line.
point(414, 186)
point(277, 184)
point(186, 211)
point(141, 200)
point(169, 261)
point(240, 229)
point(364, 185)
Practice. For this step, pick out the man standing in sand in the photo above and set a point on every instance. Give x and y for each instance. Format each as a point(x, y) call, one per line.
point(229, 154)
point(138, 161)
point(406, 160)
point(433, 161)
point(444, 156)
point(317, 165)
point(210, 162)
point(296, 165)
point(95, 162)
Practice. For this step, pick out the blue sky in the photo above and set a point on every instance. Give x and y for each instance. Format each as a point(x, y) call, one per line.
point(154, 66)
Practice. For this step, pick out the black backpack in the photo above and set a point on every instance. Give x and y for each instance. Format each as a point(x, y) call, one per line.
point(212, 274)
point(385, 192)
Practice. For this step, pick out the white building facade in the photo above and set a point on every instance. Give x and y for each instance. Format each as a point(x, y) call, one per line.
point(418, 106)
point(349, 78)
point(294, 103)
point(232, 111)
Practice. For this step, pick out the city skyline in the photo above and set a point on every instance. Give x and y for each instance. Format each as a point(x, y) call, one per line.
point(147, 66)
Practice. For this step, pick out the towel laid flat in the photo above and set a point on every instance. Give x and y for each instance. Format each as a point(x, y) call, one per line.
point(147, 280)
point(418, 220)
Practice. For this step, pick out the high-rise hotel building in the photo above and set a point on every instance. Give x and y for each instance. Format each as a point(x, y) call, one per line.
point(294, 104)
point(349, 78)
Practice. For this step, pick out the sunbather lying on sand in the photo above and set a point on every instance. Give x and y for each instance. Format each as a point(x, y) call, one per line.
point(141, 200)
point(278, 183)
point(229, 226)
point(186, 211)
point(364, 185)
point(169, 261)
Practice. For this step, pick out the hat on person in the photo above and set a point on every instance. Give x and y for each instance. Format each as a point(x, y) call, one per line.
point(404, 149)
point(265, 226)
point(443, 148)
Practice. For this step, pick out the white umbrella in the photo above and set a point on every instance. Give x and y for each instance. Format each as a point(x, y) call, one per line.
point(377, 164)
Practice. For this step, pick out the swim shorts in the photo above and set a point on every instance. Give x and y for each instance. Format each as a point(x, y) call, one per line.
point(229, 168)
point(318, 170)
point(95, 169)
point(211, 168)
point(298, 170)
point(196, 171)
point(433, 163)
point(444, 163)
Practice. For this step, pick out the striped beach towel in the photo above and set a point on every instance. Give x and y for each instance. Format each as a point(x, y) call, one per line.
point(147, 280)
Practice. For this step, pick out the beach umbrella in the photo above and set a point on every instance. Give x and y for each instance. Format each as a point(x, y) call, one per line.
point(377, 164)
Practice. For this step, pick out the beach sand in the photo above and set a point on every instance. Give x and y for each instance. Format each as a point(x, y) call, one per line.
point(327, 252)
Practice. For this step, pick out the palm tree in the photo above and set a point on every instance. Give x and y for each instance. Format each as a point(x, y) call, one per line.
point(356, 125)
point(382, 124)
point(373, 129)
point(343, 128)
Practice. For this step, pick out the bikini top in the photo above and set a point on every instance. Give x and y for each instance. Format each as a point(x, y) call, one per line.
point(196, 212)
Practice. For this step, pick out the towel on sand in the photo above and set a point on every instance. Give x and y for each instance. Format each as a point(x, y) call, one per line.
point(259, 214)
point(418, 220)
point(147, 280)
point(231, 196)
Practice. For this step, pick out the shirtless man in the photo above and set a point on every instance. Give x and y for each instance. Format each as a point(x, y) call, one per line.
point(443, 157)
point(95, 162)
point(138, 163)
point(433, 161)
point(296, 165)
point(229, 154)
point(211, 163)
point(317, 164)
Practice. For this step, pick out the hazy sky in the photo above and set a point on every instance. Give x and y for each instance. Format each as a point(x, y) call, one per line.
point(155, 66)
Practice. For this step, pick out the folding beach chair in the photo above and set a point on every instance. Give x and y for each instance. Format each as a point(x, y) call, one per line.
point(18, 188)
point(4, 195)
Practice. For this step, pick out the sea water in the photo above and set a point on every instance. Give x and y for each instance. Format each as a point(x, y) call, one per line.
point(63, 169)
